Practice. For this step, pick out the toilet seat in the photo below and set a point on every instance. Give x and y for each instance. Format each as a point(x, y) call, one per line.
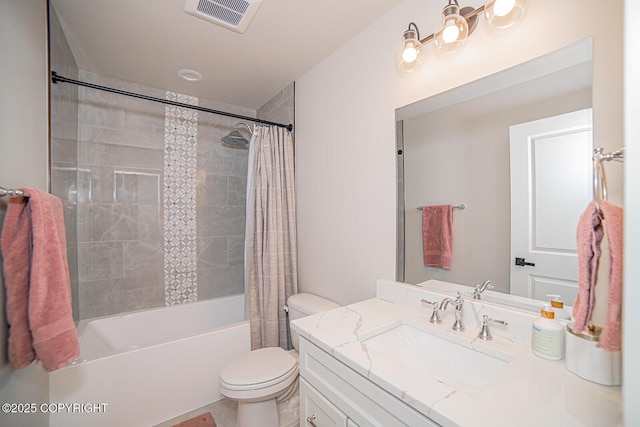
point(266, 371)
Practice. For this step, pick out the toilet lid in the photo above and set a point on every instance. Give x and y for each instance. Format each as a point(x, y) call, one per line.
point(258, 367)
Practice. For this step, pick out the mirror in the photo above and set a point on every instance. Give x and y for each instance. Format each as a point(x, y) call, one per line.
point(454, 148)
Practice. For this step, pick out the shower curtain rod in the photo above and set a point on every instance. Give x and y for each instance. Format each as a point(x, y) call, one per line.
point(55, 78)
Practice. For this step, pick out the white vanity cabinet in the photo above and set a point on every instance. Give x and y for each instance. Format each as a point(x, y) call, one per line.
point(332, 394)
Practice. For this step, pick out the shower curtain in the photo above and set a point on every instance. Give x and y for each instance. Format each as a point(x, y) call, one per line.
point(271, 269)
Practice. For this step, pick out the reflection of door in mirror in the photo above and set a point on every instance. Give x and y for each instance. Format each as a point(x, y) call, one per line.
point(551, 173)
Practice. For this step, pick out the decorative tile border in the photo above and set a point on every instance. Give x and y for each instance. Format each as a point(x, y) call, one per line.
point(180, 167)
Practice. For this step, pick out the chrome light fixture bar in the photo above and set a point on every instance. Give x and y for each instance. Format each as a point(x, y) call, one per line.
point(456, 26)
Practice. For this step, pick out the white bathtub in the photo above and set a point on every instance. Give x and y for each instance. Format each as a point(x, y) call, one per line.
point(149, 366)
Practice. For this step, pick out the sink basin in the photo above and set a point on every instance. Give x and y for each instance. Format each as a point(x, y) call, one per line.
point(463, 368)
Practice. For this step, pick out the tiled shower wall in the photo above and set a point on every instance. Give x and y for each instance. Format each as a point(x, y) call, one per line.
point(280, 108)
point(122, 228)
point(120, 160)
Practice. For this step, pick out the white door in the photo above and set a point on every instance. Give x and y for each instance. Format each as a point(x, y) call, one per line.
point(551, 186)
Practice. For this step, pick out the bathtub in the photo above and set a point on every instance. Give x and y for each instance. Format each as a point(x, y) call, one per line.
point(142, 368)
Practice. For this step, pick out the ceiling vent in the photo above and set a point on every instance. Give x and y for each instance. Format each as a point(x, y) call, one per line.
point(232, 14)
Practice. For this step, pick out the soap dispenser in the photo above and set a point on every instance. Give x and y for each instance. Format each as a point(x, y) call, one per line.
point(547, 336)
point(557, 305)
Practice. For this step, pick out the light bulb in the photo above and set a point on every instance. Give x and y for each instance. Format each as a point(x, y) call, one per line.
point(410, 57)
point(450, 33)
point(410, 53)
point(504, 13)
point(503, 7)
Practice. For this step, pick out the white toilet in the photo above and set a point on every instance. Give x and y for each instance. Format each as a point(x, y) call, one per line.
point(257, 378)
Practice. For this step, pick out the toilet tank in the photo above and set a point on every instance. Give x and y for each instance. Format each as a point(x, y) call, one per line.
point(304, 304)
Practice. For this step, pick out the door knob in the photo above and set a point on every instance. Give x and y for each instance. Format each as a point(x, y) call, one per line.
point(521, 262)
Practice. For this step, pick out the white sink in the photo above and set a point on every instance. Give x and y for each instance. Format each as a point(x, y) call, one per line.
point(463, 368)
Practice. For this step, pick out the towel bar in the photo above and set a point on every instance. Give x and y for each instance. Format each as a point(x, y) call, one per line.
point(10, 192)
point(599, 177)
point(461, 207)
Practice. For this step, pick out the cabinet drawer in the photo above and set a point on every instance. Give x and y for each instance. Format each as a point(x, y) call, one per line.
point(316, 410)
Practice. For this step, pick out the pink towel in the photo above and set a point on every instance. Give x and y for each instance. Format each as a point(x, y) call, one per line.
point(590, 235)
point(437, 235)
point(611, 337)
point(36, 275)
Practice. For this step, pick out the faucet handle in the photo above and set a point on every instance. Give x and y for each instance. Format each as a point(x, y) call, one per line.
point(485, 333)
point(435, 315)
point(458, 325)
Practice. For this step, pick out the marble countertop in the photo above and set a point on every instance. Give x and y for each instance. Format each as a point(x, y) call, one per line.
point(529, 391)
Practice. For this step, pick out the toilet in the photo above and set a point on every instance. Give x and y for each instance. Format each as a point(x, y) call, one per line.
point(256, 379)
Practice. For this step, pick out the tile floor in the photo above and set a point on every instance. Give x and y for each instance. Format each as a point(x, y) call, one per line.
point(224, 413)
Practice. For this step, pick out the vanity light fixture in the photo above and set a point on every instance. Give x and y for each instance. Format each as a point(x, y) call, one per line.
point(456, 26)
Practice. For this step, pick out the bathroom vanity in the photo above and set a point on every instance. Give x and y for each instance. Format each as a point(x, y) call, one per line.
point(380, 362)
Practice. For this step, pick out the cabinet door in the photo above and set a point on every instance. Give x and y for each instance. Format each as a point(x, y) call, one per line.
point(316, 410)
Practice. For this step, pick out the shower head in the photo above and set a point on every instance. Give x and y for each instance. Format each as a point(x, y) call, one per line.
point(235, 139)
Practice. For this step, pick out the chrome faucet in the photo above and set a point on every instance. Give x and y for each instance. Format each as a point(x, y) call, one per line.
point(479, 289)
point(457, 325)
point(435, 314)
point(485, 333)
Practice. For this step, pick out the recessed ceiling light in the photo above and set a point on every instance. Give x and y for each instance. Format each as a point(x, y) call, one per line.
point(190, 75)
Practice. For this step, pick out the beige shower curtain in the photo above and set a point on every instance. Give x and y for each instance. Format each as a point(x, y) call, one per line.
point(272, 250)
